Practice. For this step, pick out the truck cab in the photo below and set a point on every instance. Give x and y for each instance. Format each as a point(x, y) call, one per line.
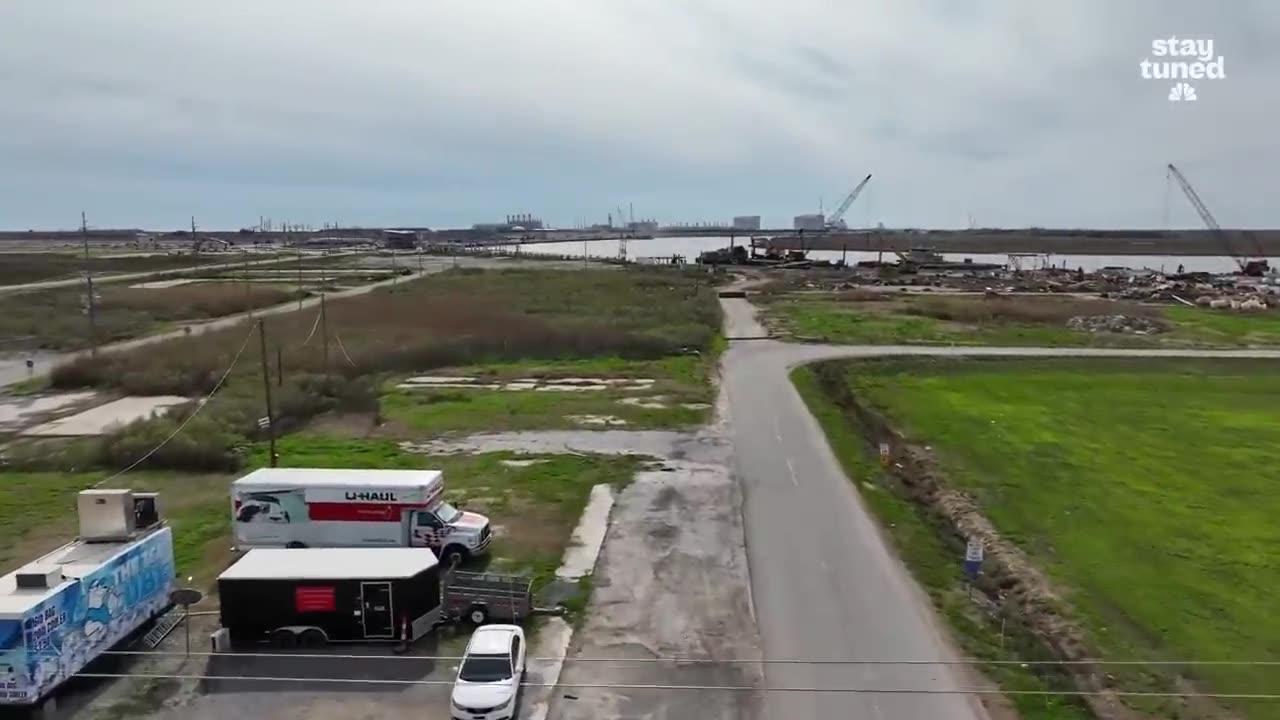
point(454, 535)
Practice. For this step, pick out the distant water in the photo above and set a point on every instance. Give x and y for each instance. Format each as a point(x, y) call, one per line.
point(691, 247)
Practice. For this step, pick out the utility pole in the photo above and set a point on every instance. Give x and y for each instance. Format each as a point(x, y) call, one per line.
point(266, 388)
point(300, 293)
point(88, 281)
point(195, 244)
point(324, 334)
point(248, 295)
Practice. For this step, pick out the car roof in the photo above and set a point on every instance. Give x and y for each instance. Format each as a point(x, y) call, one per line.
point(492, 640)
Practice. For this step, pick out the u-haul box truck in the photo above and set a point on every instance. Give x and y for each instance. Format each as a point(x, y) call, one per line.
point(313, 507)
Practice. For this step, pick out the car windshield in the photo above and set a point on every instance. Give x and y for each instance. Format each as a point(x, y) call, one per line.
point(447, 513)
point(486, 668)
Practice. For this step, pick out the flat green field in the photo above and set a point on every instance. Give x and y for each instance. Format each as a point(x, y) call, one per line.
point(868, 318)
point(1148, 491)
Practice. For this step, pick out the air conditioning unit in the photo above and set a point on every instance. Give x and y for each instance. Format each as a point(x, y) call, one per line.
point(106, 515)
point(38, 577)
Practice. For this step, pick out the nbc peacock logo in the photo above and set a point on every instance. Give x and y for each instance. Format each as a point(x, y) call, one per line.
point(1183, 60)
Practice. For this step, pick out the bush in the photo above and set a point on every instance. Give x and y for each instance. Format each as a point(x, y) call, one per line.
point(204, 445)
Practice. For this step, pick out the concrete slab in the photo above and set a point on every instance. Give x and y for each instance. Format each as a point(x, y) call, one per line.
point(19, 411)
point(98, 420)
point(596, 420)
point(588, 536)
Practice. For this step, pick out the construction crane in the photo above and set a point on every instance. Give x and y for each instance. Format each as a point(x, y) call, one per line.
point(834, 222)
point(1255, 268)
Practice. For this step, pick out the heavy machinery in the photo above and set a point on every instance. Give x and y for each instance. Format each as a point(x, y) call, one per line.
point(1250, 267)
point(836, 221)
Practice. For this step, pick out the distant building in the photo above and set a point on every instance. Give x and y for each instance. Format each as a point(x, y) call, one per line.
point(400, 239)
point(746, 222)
point(814, 221)
point(643, 227)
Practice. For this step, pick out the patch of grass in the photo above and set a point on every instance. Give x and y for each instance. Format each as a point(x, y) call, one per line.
point(680, 380)
point(457, 318)
point(1228, 328)
point(57, 319)
point(931, 553)
point(22, 268)
point(1145, 489)
point(1007, 321)
point(537, 506)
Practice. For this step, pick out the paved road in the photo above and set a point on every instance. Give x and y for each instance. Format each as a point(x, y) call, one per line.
point(825, 584)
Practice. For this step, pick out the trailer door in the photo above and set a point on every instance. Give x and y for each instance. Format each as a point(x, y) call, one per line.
point(377, 616)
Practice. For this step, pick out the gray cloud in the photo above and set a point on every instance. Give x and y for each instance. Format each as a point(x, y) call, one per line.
point(144, 112)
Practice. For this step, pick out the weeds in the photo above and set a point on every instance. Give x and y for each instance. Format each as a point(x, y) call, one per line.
point(458, 318)
point(1039, 311)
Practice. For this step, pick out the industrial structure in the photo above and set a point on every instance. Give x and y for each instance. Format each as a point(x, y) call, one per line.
point(810, 222)
point(746, 222)
point(1254, 267)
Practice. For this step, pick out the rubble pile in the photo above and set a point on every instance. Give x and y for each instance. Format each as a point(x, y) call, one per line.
point(1127, 324)
point(1247, 303)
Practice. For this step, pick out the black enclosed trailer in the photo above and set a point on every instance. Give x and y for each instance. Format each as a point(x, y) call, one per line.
point(309, 596)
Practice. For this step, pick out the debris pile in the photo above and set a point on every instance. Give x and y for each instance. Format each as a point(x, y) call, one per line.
point(1114, 324)
point(1248, 303)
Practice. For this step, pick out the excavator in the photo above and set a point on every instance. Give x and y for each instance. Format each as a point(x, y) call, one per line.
point(1257, 267)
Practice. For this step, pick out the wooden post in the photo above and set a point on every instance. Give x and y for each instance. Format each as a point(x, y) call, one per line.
point(266, 388)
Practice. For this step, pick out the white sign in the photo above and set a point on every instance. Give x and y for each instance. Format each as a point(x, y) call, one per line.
point(973, 551)
point(1189, 59)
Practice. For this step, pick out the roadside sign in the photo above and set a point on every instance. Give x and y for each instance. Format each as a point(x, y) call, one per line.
point(973, 553)
point(884, 454)
point(264, 423)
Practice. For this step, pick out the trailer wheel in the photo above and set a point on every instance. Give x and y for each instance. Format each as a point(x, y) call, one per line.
point(295, 545)
point(284, 639)
point(453, 556)
point(478, 614)
point(312, 638)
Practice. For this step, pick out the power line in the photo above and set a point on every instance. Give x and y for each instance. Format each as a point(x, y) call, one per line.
point(720, 661)
point(704, 688)
point(200, 406)
point(338, 338)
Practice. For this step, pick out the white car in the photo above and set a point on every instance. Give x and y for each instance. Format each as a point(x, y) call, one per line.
point(488, 684)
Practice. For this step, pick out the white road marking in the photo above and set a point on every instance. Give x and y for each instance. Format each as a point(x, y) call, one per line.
point(792, 469)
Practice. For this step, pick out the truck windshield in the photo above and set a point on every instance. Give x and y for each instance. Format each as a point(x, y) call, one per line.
point(447, 513)
point(486, 668)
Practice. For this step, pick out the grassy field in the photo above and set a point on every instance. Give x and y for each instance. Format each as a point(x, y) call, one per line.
point(21, 268)
point(646, 319)
point(58, 319)
point(1145, 491)
point(874, 318)
point(536, 505)
point(681, 395)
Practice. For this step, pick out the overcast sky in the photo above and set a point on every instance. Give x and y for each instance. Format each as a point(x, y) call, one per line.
point(448, 112)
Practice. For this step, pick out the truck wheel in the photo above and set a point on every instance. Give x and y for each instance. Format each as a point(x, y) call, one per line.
point(284, 639)
point(478, 614)
point(295, 545)
point(453, 556)
point(312, 638)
